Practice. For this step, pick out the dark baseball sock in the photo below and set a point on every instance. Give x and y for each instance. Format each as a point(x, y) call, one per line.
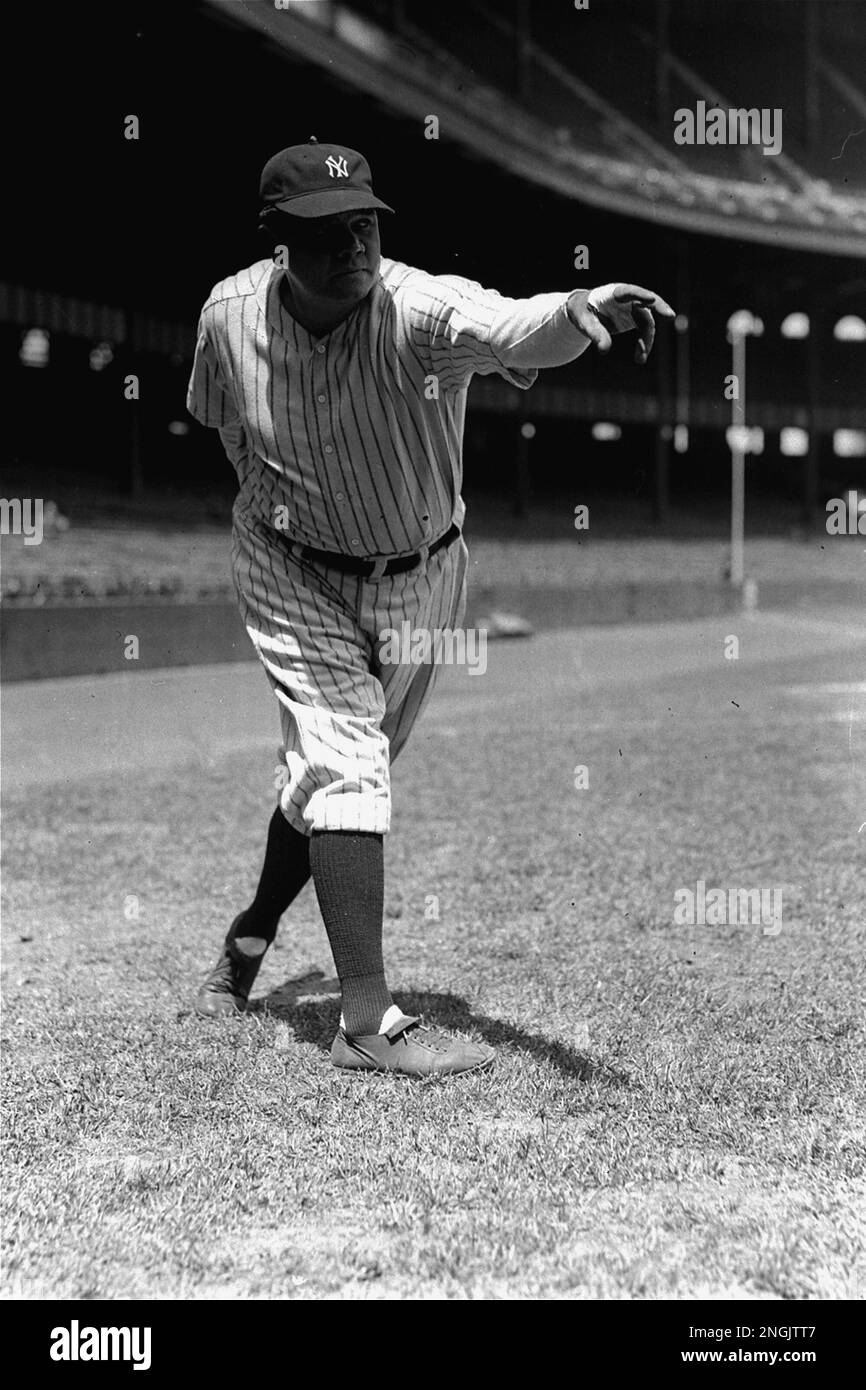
point(349, 874)
point(284, 873)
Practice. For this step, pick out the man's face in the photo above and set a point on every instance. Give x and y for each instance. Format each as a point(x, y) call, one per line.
point(333, 259)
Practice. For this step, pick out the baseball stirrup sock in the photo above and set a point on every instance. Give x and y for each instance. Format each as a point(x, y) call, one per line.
point(349, 874)
point(284, 873)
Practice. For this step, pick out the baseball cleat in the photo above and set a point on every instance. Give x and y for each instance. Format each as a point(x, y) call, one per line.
point(409, 1049)
point(227, 987)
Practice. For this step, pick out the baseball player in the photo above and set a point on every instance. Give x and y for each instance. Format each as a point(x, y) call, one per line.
point(337, 380)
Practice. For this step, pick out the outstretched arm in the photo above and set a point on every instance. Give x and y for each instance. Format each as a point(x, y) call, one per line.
point(463, 328)
point(550, 330)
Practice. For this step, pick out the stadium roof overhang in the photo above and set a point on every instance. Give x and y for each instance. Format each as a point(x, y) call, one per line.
point(400, 77)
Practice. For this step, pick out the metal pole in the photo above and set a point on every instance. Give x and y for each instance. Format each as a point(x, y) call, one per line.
point(738, 460)
point(812, 461)
point(661, 485)
point(682, 329)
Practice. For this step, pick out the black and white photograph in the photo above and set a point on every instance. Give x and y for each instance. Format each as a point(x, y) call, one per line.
point(433, 576)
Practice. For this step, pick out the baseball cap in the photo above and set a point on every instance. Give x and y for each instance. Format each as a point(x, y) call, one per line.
point(314, 180)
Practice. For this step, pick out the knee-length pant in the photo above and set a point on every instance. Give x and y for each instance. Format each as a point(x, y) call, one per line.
point(319, 633)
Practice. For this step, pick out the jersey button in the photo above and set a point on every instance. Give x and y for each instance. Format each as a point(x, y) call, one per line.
point(329, 448)
point(340, 496)
point(321, 347)
point(321, 400)
point(355, 542)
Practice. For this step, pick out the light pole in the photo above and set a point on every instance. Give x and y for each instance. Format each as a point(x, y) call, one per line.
point(741, 325)
point(798, 325)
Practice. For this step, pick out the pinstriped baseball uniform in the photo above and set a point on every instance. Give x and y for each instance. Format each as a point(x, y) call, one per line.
point(352, 443)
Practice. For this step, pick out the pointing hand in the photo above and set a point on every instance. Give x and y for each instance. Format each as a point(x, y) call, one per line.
point(611, 309)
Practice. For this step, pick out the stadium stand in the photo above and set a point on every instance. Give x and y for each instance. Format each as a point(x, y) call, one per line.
point(563, 131)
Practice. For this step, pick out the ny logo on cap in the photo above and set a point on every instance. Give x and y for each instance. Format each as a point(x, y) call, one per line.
point(337, 167)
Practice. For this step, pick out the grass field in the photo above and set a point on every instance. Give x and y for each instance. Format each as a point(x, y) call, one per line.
point(675, 1111)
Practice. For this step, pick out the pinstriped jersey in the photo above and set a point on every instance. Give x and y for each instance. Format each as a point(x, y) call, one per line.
point(352, 441)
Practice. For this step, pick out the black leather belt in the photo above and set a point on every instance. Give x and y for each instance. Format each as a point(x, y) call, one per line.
point(351, 565)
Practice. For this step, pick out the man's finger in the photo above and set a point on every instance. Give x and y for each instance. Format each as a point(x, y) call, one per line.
point(596, 331)
point(636, 293)
point(589, 323)
point(645, 324)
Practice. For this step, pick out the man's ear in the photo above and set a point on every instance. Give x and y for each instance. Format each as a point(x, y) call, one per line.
point(267, 224)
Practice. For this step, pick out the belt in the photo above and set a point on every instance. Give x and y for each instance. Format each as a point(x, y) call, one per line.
point(375, 569)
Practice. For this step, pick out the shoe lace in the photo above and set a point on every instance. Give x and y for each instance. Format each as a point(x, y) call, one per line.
point(431, 1037)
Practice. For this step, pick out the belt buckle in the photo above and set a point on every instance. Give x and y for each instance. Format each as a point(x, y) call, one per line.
point(423, 556)
point(378, 570)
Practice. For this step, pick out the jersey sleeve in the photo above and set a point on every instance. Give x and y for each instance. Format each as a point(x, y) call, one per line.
point(464, 328)
point(237, 449)
point(209, 398)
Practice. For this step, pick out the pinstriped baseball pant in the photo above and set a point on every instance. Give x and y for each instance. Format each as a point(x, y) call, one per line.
point(317, 631)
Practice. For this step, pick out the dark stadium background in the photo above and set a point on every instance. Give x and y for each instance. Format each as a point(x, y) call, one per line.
point(148, 226)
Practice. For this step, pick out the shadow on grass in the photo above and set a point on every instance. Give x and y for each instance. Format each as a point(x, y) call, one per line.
point(315, 1021)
